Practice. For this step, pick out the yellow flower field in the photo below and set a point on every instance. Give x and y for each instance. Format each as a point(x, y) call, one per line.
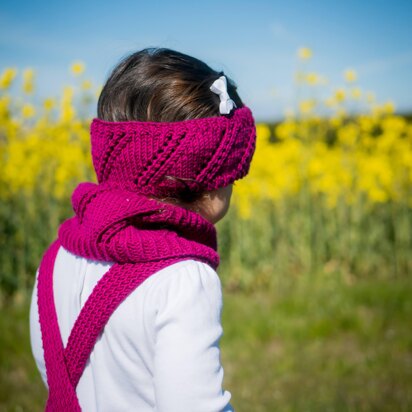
point(320, 161)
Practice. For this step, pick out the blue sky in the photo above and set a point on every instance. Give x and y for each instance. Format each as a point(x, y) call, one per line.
point(255, 43)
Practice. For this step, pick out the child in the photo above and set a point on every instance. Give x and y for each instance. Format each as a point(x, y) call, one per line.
point(125, 311)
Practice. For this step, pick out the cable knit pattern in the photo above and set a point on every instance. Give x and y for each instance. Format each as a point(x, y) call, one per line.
point(115, 221)
point(212, 152)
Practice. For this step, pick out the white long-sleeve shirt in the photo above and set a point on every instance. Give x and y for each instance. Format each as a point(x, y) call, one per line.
point(160, 348)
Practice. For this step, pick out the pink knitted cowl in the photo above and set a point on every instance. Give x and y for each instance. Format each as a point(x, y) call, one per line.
point(119, 220)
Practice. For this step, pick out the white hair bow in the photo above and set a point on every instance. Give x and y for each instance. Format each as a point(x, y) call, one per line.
point(219, 87)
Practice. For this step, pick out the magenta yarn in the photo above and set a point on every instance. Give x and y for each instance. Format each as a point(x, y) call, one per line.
point(209, 152)
point(116, 221)
point(113, 224)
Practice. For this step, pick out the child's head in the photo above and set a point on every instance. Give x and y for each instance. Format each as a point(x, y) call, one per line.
point(164, 85)
point(161, 85)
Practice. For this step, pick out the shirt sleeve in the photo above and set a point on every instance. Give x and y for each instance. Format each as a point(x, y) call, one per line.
point(188, 372)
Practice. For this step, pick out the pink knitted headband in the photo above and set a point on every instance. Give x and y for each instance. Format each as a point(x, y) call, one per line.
point(207, 153)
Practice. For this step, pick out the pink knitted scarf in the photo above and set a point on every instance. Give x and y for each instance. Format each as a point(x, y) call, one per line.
point(116, 220)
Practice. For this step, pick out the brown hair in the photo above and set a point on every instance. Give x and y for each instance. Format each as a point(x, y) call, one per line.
point(162, 85)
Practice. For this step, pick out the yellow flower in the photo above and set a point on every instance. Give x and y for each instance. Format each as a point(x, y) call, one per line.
point(28, 78)
point(86, 84)
point(262, 131)
point(28, 110)
point(68, 92)
point(4, 105)
point(312, 78)
point(306, 106)
point(356, 93)
point(366, 123)
point(389, 107)
point(7, 77)
point(377, 195)
point(49, 103)
point(376, 110)
point(340, 95)
point(304, 53)
point(350, 75)
point(286, 129)
point(394, 124)
point(67, 111)
point(77, 68)
point(335, 121)
point(348, 134)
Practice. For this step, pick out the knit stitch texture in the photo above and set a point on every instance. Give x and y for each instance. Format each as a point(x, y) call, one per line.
point(209, 152)
point(116, 221)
